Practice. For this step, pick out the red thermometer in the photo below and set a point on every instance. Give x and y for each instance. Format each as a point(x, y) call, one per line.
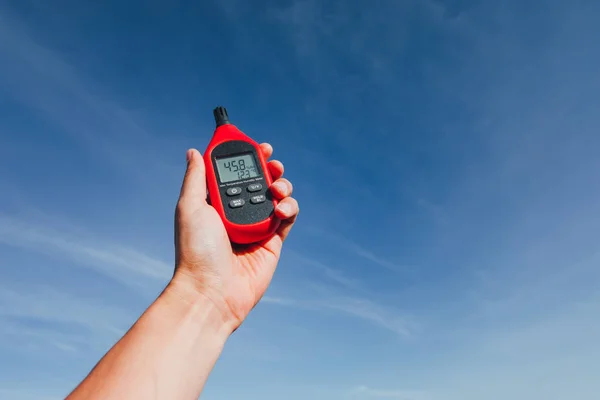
point(238, 182)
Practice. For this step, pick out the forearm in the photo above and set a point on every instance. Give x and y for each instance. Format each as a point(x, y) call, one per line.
point(167, 354)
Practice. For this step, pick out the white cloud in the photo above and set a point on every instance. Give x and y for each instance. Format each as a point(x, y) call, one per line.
point(375, 313)
point(552, 357)
point(44, 303)
point(27, 394)
point(35, 319)
point(38, 338)
point(39, 78)
point(367, 310)
point(121, 263)
point(357, 249)
point(278, 300)
point(391, 394)
point(332, 274)
point(347, 296)
point(70, 323)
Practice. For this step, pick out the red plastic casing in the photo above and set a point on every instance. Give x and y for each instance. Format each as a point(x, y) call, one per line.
point(241, 234)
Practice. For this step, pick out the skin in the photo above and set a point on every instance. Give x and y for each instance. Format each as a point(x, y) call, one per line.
point(171, 349)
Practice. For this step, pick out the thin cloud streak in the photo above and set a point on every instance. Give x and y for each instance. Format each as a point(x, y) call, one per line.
point(391, 394)
point(332, 274)
point(140, 271)
point(46, 304)
point(123, 264)
point(26, 394)
point(39, 338)
point(357, 250)
point(40, 319)
point(355, 307)
point(39, 78)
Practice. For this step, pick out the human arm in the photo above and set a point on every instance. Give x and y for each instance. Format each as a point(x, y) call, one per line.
point(169, 352)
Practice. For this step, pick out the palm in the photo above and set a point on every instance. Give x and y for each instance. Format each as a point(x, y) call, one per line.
point(256, 264)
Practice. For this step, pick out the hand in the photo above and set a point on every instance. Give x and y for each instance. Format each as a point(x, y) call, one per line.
point(233, 277)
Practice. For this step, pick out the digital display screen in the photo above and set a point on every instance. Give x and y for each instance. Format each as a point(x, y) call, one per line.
point(237, 168)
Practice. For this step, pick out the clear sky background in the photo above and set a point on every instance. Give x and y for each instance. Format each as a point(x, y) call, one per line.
point(444, 154)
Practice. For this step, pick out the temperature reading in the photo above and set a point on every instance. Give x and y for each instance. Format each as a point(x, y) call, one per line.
point(236, 168)
point(244, 174)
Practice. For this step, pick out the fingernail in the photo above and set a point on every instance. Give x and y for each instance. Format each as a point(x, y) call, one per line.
point(284, 208)
point(189, 155)
point(280, 187)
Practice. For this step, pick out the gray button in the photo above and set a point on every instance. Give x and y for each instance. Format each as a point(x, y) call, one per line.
point(257, 199)
point(233, 191)
point(236, 203)
point(254, 187)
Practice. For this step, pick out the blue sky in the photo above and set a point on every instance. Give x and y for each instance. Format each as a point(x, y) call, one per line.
point(444, 154)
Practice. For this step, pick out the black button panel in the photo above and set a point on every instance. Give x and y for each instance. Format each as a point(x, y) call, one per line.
point(233, 191)
point(235, 203)
point(254, 187)
point(258, 199)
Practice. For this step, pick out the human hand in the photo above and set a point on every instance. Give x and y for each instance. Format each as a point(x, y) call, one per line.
point(232, 277)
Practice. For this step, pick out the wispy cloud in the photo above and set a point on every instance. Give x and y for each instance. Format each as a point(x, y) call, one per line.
point(121, 263)
point(391, 394)
point(27, 394)
point(39, 78)
point(329, 37)
point(35, 318)
point(280, 300)
point(13, 332)
point(45, 303)
point(335, 291)
point(138, 270)
point(357, 249)
point(379, 315)
point(367, 310)
point(332, 274)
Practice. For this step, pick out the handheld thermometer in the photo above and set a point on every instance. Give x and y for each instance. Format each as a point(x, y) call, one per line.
point(238, 182)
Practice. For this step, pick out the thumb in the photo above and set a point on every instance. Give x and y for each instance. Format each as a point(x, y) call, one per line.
point(193, 189)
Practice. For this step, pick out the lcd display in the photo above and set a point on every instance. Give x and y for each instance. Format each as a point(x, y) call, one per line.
point(236, 168)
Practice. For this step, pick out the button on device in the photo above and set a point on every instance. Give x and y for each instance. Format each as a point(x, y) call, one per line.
point(233, 191)
point(236, 203)
point(254, 187)
point(257, 199)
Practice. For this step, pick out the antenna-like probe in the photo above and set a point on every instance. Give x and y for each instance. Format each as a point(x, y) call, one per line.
point(221, 117)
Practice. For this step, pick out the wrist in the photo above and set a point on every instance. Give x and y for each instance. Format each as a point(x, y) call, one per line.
point(199, 304)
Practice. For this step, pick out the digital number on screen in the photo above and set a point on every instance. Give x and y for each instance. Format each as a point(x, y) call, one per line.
point(236, 168)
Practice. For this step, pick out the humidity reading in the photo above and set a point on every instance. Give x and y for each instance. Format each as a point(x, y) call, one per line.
point(236, 168)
